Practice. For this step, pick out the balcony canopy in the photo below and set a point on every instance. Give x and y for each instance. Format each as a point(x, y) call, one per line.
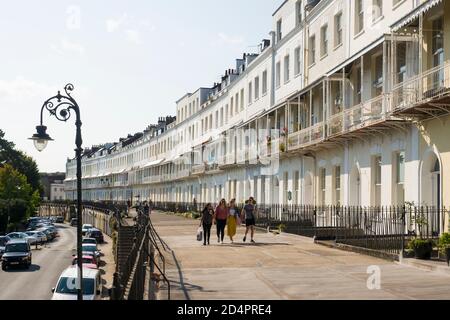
point(422, 9)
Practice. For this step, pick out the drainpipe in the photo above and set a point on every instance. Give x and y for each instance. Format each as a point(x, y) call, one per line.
point(272, 78)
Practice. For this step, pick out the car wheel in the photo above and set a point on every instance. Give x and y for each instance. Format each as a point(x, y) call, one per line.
point(4, 267)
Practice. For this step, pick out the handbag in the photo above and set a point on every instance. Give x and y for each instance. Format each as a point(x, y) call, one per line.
point(200, 234)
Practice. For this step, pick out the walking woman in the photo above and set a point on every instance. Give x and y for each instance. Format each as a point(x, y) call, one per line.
point(221, 217)
point(249, 214)
point(233, 219)
point(206, 222)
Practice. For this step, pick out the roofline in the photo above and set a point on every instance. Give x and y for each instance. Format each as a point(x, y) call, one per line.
point(281, 6)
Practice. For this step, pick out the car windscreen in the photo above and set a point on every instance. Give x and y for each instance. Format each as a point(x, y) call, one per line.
point(16, 247)
point(93, 241)
point(85, 261)
point(68, 286)
point(89, 248)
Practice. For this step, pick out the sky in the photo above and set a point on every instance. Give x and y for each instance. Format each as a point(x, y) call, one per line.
point(128, 60)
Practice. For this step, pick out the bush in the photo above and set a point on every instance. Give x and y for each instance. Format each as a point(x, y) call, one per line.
point(444, 242)
point(422, 248)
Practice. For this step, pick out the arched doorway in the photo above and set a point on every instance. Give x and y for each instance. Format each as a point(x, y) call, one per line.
point(355, 187)
point(308, 196)
point(431, 191)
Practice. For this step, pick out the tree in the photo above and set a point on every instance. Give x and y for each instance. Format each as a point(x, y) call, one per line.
point(18, 200)
point(20, 161)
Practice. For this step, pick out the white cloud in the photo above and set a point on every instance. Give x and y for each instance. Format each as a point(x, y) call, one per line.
point(134, 36)
point(224, 38)
point(66, 45)
point(113, 25)
point(21, 89)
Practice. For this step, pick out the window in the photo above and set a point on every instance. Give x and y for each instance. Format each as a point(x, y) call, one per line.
point(358, 86)
point(278, 75)
point(338, 29)
point(286, 69)
point(377, 9)
point(236, 101)
point(376, 176)
point(400, 176)
point(296, 198)
point(324, 42)
point(298, 12)
point(231, 106)
point(264, 82)
point(359, 16)
point(312, 50)
point(438, 50)
point(242, 99)
point(297, 61)
point(323, 177)
point(279, 30)
point(256, 88)
point(337, 185)
point(250, 93)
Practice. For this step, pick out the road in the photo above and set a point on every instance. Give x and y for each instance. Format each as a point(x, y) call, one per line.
point(48, 263)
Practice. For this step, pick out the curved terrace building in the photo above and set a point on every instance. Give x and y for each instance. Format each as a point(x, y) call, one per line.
point(346, 103)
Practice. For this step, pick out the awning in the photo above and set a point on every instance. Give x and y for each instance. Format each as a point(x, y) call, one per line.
point(356, 56)
point(153, 163)
point(253, 118)
point(423, 8)
point(203, 143)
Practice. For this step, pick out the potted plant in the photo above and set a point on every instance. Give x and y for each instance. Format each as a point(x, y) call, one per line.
point(282, 147)
point(422, 248)
point(281, 228)
point(444, 246)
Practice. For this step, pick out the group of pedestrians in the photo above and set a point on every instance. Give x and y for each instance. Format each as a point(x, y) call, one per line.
point(227, 215)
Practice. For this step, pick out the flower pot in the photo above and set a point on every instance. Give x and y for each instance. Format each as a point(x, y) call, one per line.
point(423, 251)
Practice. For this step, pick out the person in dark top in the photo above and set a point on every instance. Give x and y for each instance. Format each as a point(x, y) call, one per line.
point(221, 216)
point(206, 222)
point(146, 208)
point(248, 215)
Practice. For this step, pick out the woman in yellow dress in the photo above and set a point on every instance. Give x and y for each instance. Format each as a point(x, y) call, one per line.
point(232, 221)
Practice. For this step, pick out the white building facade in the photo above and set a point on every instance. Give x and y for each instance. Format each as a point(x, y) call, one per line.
point(311, 119)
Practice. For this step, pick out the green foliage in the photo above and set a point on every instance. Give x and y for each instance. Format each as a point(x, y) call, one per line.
point(18, 201)
point(444, 242)
point(20, 161)
point(422, 248)
point(281, 228)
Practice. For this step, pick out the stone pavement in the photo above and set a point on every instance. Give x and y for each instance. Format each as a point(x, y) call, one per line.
point(282, 267)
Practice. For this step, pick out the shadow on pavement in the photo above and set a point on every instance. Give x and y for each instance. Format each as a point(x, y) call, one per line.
point(33, 268)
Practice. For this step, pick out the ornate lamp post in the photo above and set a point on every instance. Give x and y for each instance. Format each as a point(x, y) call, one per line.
point(61, 107)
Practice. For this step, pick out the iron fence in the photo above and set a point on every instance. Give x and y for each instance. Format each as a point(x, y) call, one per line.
point(387, 229)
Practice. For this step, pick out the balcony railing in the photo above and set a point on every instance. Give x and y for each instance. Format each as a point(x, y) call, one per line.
point(429, 85)
point(306, 137)
point(198, 169)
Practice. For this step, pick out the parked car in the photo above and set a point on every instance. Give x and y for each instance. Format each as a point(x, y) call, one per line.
point(17, 253)
point(21, 236)
point(3, 241)
point(47, 233)
point(90, 254)
point(74, 222)
point(88, 247)
point(41, 237)
point(88, 262)
point(89, 240)
point(66, 289)
point(86, 228)
point(59, 219)
point(52, 230)
point(96, 234)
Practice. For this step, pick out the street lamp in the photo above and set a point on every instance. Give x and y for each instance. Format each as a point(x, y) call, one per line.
point(60, 106)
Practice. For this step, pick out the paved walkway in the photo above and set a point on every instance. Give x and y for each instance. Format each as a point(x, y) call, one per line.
point(282, 267)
